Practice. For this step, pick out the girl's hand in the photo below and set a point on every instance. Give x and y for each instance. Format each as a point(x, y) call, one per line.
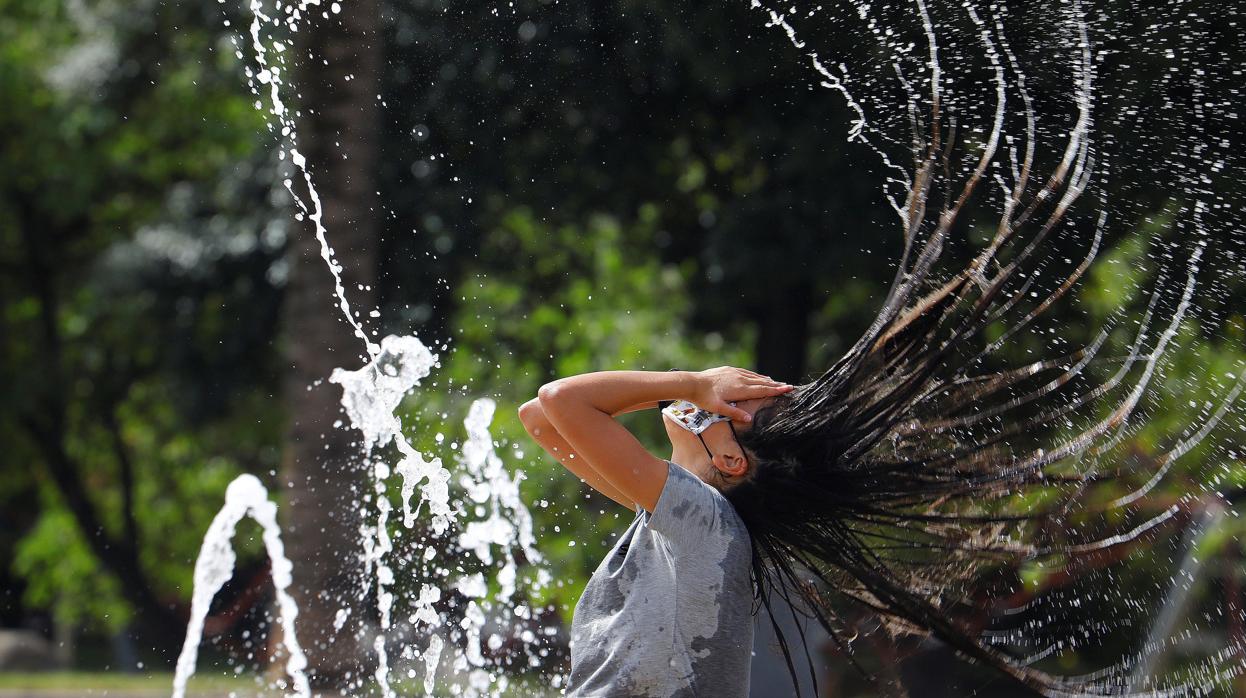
point(713, 388)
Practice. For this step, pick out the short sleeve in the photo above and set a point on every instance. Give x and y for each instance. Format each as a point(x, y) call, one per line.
point(691, 514)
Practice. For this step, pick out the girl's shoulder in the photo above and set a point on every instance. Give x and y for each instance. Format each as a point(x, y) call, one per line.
point(693, 515)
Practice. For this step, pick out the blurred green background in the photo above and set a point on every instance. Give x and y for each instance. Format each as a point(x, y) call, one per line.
point(536, 189)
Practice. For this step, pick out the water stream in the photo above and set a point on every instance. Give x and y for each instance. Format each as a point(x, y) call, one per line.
point(371, 397)
point(244, 497)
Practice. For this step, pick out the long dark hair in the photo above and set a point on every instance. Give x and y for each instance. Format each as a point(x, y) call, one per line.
point(870, 484)
point(884, 481)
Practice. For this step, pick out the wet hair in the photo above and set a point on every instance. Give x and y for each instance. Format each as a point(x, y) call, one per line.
point(841, 499)
point(906, 471)
point(884, 482)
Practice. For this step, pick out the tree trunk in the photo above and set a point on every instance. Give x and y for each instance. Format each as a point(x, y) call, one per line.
point(321, 464)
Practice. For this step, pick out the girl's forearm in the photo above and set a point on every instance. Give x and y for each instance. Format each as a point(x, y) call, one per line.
point(614, 392)
point(547, 437)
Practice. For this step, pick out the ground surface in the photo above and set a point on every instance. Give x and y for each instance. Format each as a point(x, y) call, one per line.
point(115, 685)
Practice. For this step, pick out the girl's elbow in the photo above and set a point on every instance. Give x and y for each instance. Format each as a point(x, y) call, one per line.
point(558, 398)
point(550, 392)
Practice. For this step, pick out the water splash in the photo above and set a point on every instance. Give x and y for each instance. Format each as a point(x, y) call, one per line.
point(245, 496)
point(371, 396)
point(503, 523)
point(288, 19)
point(486, 481)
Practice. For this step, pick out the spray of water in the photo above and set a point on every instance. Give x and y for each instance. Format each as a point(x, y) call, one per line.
point(371, 396)
point(245, 496)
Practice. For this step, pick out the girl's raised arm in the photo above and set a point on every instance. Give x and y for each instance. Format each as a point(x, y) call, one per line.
point(546, 435)
point(581, 408)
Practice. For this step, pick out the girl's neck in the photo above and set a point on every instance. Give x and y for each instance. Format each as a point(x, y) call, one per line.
point(696, 463)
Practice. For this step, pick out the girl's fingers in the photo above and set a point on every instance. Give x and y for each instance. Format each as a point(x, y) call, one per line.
point(735, 413)
point(770, 387)
point(738, 415)
point(747, 390)
point(758, 376)
point(750, 390)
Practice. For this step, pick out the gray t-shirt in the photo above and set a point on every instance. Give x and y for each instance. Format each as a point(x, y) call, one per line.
point(669, 611)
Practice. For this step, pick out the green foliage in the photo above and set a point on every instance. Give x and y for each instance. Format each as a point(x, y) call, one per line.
point(63, 575)
point(128, 220)
point(1119, 276)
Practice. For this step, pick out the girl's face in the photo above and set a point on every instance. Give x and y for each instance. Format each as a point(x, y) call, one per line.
point(726, 457)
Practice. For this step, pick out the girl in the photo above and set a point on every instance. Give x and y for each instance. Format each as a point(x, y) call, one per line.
point(669, 611)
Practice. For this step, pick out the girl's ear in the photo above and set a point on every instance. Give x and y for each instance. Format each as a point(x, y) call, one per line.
point(731, 464)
